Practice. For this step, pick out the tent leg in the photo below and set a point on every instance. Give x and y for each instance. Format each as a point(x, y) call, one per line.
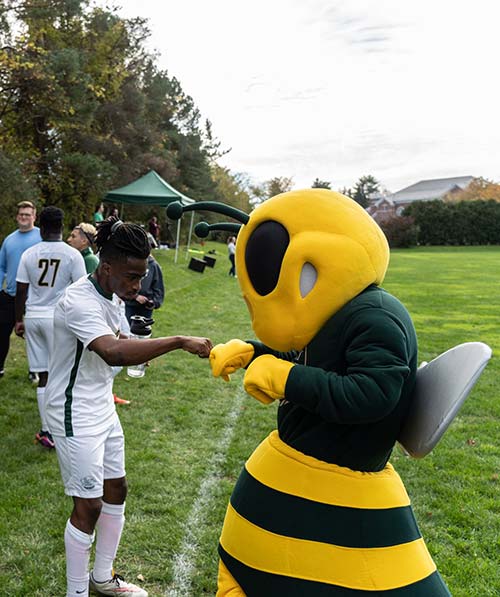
point(121, 215)
point(177, 239)
point(190, 233)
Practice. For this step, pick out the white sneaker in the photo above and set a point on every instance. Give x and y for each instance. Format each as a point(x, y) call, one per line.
point(116, 586)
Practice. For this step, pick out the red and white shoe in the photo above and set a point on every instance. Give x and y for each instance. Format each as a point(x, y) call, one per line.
point(45, 439)
point(119, 400)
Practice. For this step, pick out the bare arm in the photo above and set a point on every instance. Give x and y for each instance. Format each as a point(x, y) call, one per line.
point(121, 352)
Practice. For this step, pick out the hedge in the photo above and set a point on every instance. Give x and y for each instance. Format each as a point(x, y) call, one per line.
point(459, 223)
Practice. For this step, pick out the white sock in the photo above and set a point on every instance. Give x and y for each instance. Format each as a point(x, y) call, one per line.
point(40, 396)
point(109, 531)
point(77, 544)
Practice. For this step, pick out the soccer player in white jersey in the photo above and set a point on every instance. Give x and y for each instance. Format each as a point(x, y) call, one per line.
point(80, 409)
point(45, 270)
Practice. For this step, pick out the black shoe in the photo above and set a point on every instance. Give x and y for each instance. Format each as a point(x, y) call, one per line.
point(2, 372)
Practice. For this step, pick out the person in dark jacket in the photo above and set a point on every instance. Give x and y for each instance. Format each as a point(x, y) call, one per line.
point(151, 294)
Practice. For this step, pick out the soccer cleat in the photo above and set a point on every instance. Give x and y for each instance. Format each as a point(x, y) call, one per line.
point(33, 377)
point(45, 439)
point(118, 400)
point(116, 586)
point(2, 372)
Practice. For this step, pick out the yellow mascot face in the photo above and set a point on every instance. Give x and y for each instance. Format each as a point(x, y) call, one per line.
point(300, 258)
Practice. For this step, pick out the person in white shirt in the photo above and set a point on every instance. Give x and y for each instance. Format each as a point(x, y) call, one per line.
point(44, 271)
point(81, 413)
point(231, 250)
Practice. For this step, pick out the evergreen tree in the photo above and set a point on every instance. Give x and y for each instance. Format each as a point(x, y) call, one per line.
point(365, 186)
point(321, 184)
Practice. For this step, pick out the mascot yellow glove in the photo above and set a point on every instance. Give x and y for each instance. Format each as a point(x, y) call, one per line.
point(227, 358)
point(265, 378)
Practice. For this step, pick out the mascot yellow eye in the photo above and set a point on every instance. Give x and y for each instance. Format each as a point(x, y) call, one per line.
point(264, 254)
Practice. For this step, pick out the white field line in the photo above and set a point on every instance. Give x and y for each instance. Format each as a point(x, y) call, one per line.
point(184, 560)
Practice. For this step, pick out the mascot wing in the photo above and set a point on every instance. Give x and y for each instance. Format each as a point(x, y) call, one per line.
point(441, 388)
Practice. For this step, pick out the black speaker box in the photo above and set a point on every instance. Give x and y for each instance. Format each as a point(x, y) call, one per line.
point(210, 261)
point(197, 265)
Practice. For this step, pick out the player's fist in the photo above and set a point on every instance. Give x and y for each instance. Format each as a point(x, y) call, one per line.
point(227, 358)
point(265, 378)
point(199, 346)
point(19, 329)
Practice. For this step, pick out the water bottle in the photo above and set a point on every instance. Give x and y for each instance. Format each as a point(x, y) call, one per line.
point(140, 329)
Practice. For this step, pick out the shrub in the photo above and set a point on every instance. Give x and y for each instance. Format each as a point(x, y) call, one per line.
point(458, 223)
point(401, 231)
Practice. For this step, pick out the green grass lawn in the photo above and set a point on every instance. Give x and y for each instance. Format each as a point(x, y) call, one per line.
point(188, 435)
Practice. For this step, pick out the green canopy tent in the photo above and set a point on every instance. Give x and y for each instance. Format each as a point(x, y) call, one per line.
point(151, 189)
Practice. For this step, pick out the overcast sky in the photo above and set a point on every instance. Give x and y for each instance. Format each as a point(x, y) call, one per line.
point(401, 89)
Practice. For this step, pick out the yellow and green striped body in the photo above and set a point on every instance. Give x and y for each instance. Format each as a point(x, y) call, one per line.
point(298, 526)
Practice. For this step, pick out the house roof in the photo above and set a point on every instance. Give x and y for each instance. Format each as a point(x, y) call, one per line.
point(434, 188)
point(383, 200)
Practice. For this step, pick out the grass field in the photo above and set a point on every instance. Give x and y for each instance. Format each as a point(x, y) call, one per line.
point(188, 435)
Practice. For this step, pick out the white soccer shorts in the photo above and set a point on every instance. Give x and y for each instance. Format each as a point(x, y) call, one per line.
point(86, 461)
point(39, 334)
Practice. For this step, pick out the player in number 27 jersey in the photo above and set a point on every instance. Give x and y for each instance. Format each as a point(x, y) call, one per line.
point(44, 272)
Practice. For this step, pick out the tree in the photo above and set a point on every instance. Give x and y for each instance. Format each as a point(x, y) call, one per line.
point(479, 188)
point(365, 186)
point(274, 186)
point(65, 64)
point(347, 192)
point(212, 146)
point(14, 187)
point(278, 185)
point(84, 108)
point(321, 184)
point(232, 188)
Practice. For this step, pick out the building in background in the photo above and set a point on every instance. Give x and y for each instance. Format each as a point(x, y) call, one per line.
point(384, 206)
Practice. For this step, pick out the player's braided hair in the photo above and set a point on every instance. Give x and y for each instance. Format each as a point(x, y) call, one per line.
point(117, 240)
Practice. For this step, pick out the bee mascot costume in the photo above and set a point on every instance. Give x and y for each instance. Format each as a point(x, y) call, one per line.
point(318, 510)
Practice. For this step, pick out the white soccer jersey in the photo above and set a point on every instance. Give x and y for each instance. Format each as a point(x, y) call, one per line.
point(79, 394)
point(48, 267)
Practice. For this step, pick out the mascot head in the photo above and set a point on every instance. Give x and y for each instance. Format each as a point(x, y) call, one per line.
point(300, 257)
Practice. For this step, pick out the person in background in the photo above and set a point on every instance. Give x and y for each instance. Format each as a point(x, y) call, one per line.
point(154, 229)
point(44, 272)
point(80, 412)
point(82, 238)
point(99, 211)
point(151, 293)
point(231, 248)
point(12, 248)
point(152, 242)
